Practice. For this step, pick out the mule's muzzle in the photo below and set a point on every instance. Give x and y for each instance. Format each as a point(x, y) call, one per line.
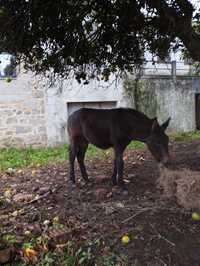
point(165, 162)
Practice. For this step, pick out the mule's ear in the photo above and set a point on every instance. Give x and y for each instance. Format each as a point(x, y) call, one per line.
point(155, 125)
point(165, 124)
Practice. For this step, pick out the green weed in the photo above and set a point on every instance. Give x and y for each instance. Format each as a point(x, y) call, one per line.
point(20, 158)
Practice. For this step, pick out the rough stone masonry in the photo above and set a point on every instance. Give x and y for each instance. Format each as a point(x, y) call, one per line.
point(22, 113)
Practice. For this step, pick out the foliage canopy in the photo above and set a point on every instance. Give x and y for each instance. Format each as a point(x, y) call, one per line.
point(95, 37)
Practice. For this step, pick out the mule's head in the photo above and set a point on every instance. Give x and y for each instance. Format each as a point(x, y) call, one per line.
point(158, 142)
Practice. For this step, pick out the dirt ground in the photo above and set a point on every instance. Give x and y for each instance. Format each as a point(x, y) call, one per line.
point(160, 231)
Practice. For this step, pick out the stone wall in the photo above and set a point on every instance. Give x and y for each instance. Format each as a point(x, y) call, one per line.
point(163, 97)
point(22, 112)
point(34, 114)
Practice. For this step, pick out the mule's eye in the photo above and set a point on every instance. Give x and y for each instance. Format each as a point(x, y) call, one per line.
point(158, 144)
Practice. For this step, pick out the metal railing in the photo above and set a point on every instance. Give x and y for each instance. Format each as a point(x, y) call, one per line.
point(173, 68)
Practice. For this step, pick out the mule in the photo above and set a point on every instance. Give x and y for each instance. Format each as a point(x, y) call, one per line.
point(116, 128)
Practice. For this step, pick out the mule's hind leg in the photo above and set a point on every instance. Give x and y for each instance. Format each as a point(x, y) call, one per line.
point(72, 156)
point(114, 175)
point(120, 166)
point(80, 157)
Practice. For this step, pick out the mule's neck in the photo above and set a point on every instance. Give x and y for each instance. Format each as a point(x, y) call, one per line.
point(143, 130)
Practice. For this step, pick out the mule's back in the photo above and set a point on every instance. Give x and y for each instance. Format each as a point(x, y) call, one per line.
point(104, 127)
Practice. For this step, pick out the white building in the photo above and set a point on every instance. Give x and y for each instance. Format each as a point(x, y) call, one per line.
point(32, 113)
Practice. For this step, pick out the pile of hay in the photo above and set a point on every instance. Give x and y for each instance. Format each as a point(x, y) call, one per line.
point(182, 185)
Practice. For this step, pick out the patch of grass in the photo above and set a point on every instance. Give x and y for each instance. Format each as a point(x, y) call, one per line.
point(136, 145)
point(15, 158)
point(20, 158)
point(185, 136)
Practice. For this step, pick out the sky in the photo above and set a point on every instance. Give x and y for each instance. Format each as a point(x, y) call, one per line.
point(5, 60)
point(196, 3)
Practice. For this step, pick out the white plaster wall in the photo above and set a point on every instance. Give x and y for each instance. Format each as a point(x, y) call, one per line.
point(178, 102)
point(172, 98)
point(70, 91)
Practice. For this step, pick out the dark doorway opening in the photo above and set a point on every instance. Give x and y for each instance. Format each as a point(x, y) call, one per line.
point(197, 110)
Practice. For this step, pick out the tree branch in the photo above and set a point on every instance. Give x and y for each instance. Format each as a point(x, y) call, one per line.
point(180, 23)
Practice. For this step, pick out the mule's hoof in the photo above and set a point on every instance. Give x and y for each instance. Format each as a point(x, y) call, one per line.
point(85, 183)
point(114, 182)
point(71, 184)
point(125, 192)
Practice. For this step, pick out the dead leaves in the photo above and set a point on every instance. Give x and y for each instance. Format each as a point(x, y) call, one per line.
point(6, 255)
point(30, 255)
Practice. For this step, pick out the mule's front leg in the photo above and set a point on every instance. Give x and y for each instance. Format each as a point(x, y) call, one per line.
point(120, 170)
point(72, 157)
point(119, 150)
point(114, 175)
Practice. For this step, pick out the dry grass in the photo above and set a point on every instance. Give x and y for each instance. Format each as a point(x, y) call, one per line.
point(182, 185)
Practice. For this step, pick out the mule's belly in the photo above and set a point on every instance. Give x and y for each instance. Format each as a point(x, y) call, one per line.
point(101, 141)
point(101, 145)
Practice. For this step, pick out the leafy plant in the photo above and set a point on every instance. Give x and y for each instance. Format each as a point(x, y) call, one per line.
point(9, 239)
point(107, 261)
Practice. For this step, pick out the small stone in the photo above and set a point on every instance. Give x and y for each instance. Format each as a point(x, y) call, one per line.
point(8, 193)
point(119, 205)
point(46, 222)
point(15, 213)
point(22, 197)
point(109, 210)
point(44, 190)
point(131, 176)
point(20, 171)
point(10, 171)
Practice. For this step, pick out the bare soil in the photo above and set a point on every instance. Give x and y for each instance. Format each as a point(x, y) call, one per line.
point(161, 232)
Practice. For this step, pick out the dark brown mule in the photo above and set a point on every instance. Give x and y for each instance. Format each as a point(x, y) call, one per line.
point(115, 128)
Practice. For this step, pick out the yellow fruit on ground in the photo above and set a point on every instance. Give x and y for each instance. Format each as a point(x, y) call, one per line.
point(8, 80)
point(27, 233)
point(125, 239)
point(195, 216)
point(56, 219)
